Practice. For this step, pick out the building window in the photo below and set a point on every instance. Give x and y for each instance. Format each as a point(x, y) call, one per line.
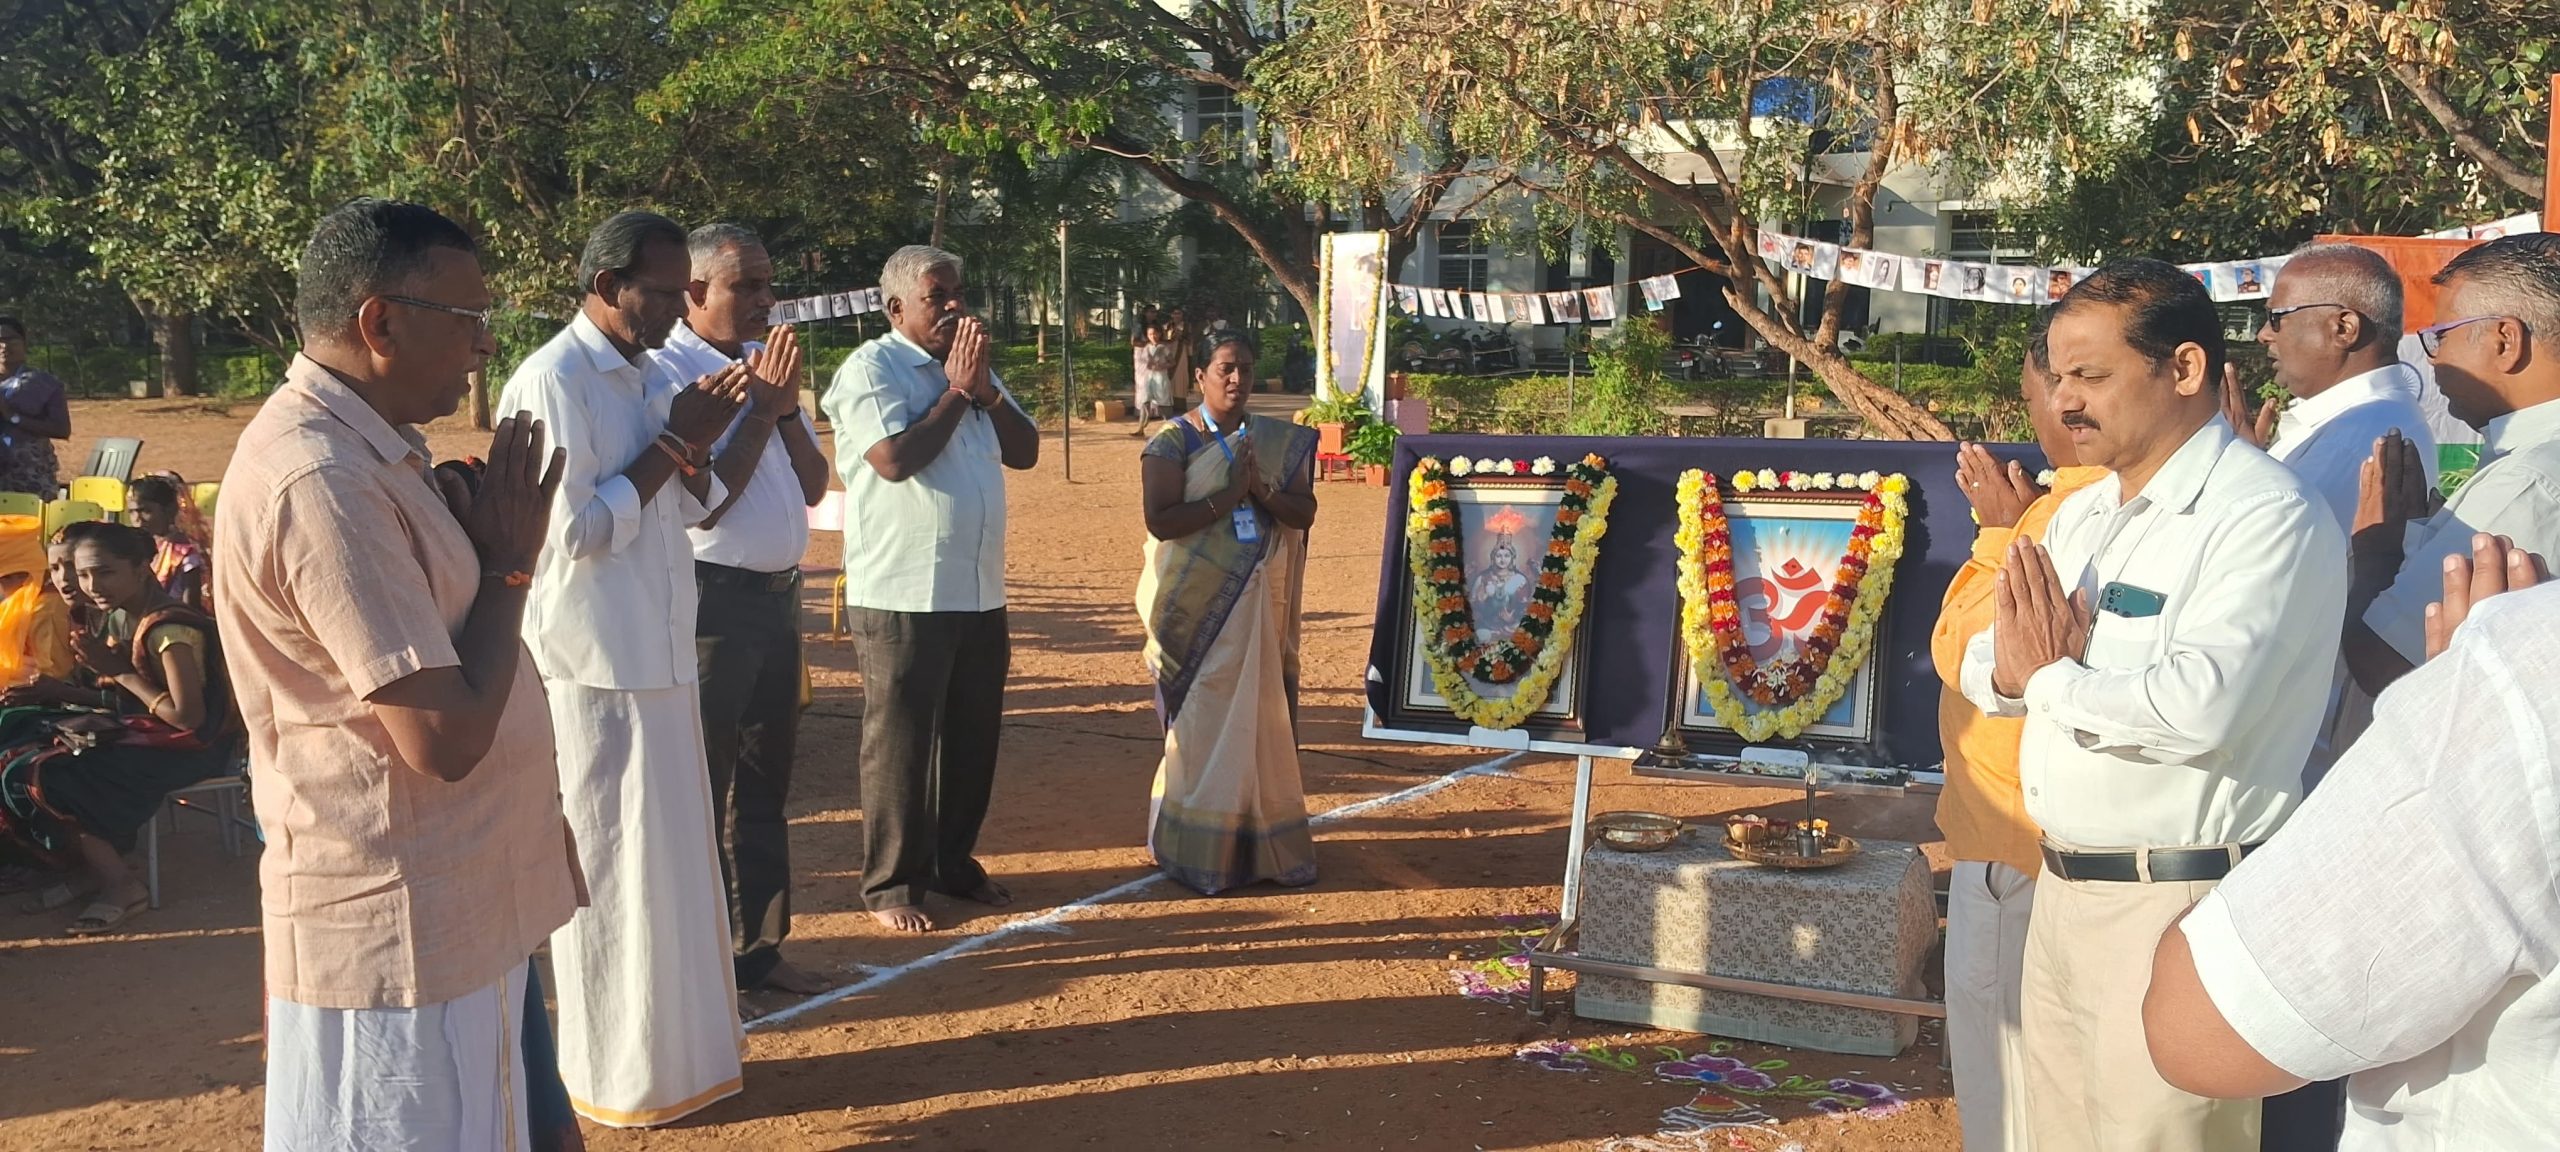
point(1218, 122)
point(1464, 261)
point(1979, 236)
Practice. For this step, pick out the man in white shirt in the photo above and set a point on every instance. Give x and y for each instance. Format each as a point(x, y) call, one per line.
point(2169, 645)
point(2502, 300)
point(2332, 333)
point(924, 431)
point(2403, 930)
point(746, 564)
point(648, 1004)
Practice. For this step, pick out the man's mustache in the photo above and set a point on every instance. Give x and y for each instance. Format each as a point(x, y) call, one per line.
point(2076, 420)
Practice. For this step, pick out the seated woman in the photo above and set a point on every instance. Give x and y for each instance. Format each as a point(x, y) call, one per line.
point(75, 791)
point(1229, 498)
point(161, 505)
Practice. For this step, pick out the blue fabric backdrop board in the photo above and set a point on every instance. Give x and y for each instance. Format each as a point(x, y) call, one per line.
point(1618, 693)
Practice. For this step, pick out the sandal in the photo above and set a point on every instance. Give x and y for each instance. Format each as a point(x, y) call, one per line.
point(57, 896)
point(101, 916)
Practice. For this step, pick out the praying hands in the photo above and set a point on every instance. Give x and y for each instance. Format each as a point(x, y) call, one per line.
point(2034, 622)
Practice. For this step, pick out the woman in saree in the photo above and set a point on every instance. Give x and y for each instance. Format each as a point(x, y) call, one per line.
point(1229, 498)
point(85, 768)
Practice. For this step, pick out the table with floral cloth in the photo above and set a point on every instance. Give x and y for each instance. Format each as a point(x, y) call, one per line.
point(1866, 927)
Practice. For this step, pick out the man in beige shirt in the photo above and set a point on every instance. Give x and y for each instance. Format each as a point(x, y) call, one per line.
point(399, 744)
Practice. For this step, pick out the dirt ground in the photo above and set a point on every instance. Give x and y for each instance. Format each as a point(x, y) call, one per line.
point(1328, 1017)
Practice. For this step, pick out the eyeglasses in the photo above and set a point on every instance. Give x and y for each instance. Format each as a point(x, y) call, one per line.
point(2431, 337)
point(481, 315)
point(2275, 316)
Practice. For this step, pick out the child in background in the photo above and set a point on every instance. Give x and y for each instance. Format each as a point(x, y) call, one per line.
point(161, 505)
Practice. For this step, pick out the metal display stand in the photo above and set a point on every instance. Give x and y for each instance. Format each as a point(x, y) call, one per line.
point(1559, 950)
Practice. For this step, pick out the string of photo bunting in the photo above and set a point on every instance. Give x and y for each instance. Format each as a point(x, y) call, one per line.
point(1884, 271)
point(1819, 259)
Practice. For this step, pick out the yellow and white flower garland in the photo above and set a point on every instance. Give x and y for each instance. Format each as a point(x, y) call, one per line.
point(1431, 551)
point(1705, 653)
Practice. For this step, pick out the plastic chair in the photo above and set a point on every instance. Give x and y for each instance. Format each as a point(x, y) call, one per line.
point(61, 512)
point(114, 456)
point(21, 504)
point(106, 492)
point(205, 493)
point(226, 793)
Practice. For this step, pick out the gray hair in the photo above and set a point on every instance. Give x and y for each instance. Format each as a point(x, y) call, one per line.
point(907, 269)
point(616, 245)
point(2357, 278)
point(365, 248)
point(2517, 275)
point(706, 243)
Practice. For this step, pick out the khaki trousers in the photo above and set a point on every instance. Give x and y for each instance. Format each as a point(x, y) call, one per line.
point(1987, 913)
point(2090, 1084)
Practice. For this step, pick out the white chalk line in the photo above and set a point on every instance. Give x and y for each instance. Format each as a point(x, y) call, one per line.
point(1049, 921)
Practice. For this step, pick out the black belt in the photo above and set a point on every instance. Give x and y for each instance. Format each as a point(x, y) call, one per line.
point(2167, 865)
point(770, 583)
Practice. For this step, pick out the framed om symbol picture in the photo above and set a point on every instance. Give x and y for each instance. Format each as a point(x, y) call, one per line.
point(1787, 552)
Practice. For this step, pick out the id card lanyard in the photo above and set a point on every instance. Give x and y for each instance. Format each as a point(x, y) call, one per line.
point(1248, 528)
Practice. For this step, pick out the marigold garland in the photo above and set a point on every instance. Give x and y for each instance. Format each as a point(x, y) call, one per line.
point(1533, 655)
point(1795, 691)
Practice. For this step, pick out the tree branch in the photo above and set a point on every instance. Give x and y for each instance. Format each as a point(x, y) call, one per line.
point(2459, 128)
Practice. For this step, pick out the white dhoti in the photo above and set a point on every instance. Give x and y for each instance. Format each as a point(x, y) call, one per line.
point(649, 1028)
point(444, 1077)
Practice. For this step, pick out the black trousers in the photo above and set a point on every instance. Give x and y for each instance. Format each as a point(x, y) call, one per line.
point(932, 708)
point(747, 639)
point(2308, 1119)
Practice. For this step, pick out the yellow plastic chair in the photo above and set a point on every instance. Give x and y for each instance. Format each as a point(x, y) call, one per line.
point(62, 512)
point(106, 492)
point(205, 493)
point(21, 504)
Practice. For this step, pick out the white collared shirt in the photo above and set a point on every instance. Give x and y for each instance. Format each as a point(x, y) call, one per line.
point(2515, 494)
point(613, 595)
point(767, 530)
point(2403, 928)
point(933, 542)
point(2327, 438)
point(2187, 725)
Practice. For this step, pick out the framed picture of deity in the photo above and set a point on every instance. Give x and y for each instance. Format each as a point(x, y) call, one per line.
point(1783, 596)
point(1495, 609)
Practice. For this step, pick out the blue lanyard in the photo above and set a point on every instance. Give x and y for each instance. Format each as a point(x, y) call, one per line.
point(1217, 437)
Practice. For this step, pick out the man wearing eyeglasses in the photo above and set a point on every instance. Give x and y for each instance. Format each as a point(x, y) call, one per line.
point(648, 1005)
point(2496, 358)
point(2333, 336)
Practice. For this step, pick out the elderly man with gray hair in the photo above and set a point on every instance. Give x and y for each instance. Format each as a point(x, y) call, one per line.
point(2333, 335)
point(746, 563)
point(924, 430)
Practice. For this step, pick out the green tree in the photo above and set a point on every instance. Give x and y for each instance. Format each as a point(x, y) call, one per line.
point(2279, 122)
point(1044, 79)
point(1593, 108)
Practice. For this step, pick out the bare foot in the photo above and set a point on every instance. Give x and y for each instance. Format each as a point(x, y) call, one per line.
point(910, 918)
point(989, 893)
point(785, 978)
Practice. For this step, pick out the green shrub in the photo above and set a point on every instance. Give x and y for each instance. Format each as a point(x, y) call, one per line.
point(1626, 393)
point(1373, 443)
point(241, 374)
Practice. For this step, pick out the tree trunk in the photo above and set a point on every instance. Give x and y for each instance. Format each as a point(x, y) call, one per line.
point(479, 403)
point(173, 333)
point(941, 201)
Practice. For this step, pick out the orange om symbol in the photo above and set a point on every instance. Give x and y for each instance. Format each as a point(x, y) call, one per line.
point(1758, 597)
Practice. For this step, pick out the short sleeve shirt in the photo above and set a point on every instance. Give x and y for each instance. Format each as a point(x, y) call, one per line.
point(343, 572)
point(933, 542)
point(2403, 928)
